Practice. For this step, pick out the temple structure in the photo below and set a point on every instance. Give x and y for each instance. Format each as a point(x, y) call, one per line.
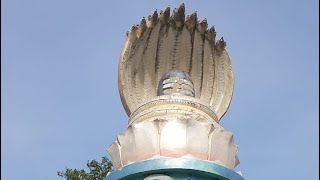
point(176, 83)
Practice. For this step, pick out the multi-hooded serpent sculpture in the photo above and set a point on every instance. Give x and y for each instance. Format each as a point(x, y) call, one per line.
point(176, 83)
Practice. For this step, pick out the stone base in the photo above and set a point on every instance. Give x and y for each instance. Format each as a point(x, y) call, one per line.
point(174, 169)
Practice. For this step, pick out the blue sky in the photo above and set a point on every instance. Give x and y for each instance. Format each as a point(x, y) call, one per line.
point(59, 96)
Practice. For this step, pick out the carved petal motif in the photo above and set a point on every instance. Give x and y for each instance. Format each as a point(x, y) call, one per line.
point(183, 138)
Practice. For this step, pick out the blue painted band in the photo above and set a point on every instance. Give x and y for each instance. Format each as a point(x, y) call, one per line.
point(175, 166)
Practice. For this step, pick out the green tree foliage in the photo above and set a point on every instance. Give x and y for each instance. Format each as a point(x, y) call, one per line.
point(97, 171)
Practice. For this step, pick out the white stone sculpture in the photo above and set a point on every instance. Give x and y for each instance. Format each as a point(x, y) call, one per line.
point(176, 83)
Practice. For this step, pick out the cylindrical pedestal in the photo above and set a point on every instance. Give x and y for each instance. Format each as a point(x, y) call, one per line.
point(174, 169)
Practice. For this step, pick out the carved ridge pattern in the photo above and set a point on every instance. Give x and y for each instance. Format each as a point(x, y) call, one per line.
point(160, 66)
point(149, 57)
point(187, 102)
point(208, 68)
point(125, 65)
point(169, 42)
point(196, 69)
point(184, 52)
point(169, 51)
point(229, 87)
